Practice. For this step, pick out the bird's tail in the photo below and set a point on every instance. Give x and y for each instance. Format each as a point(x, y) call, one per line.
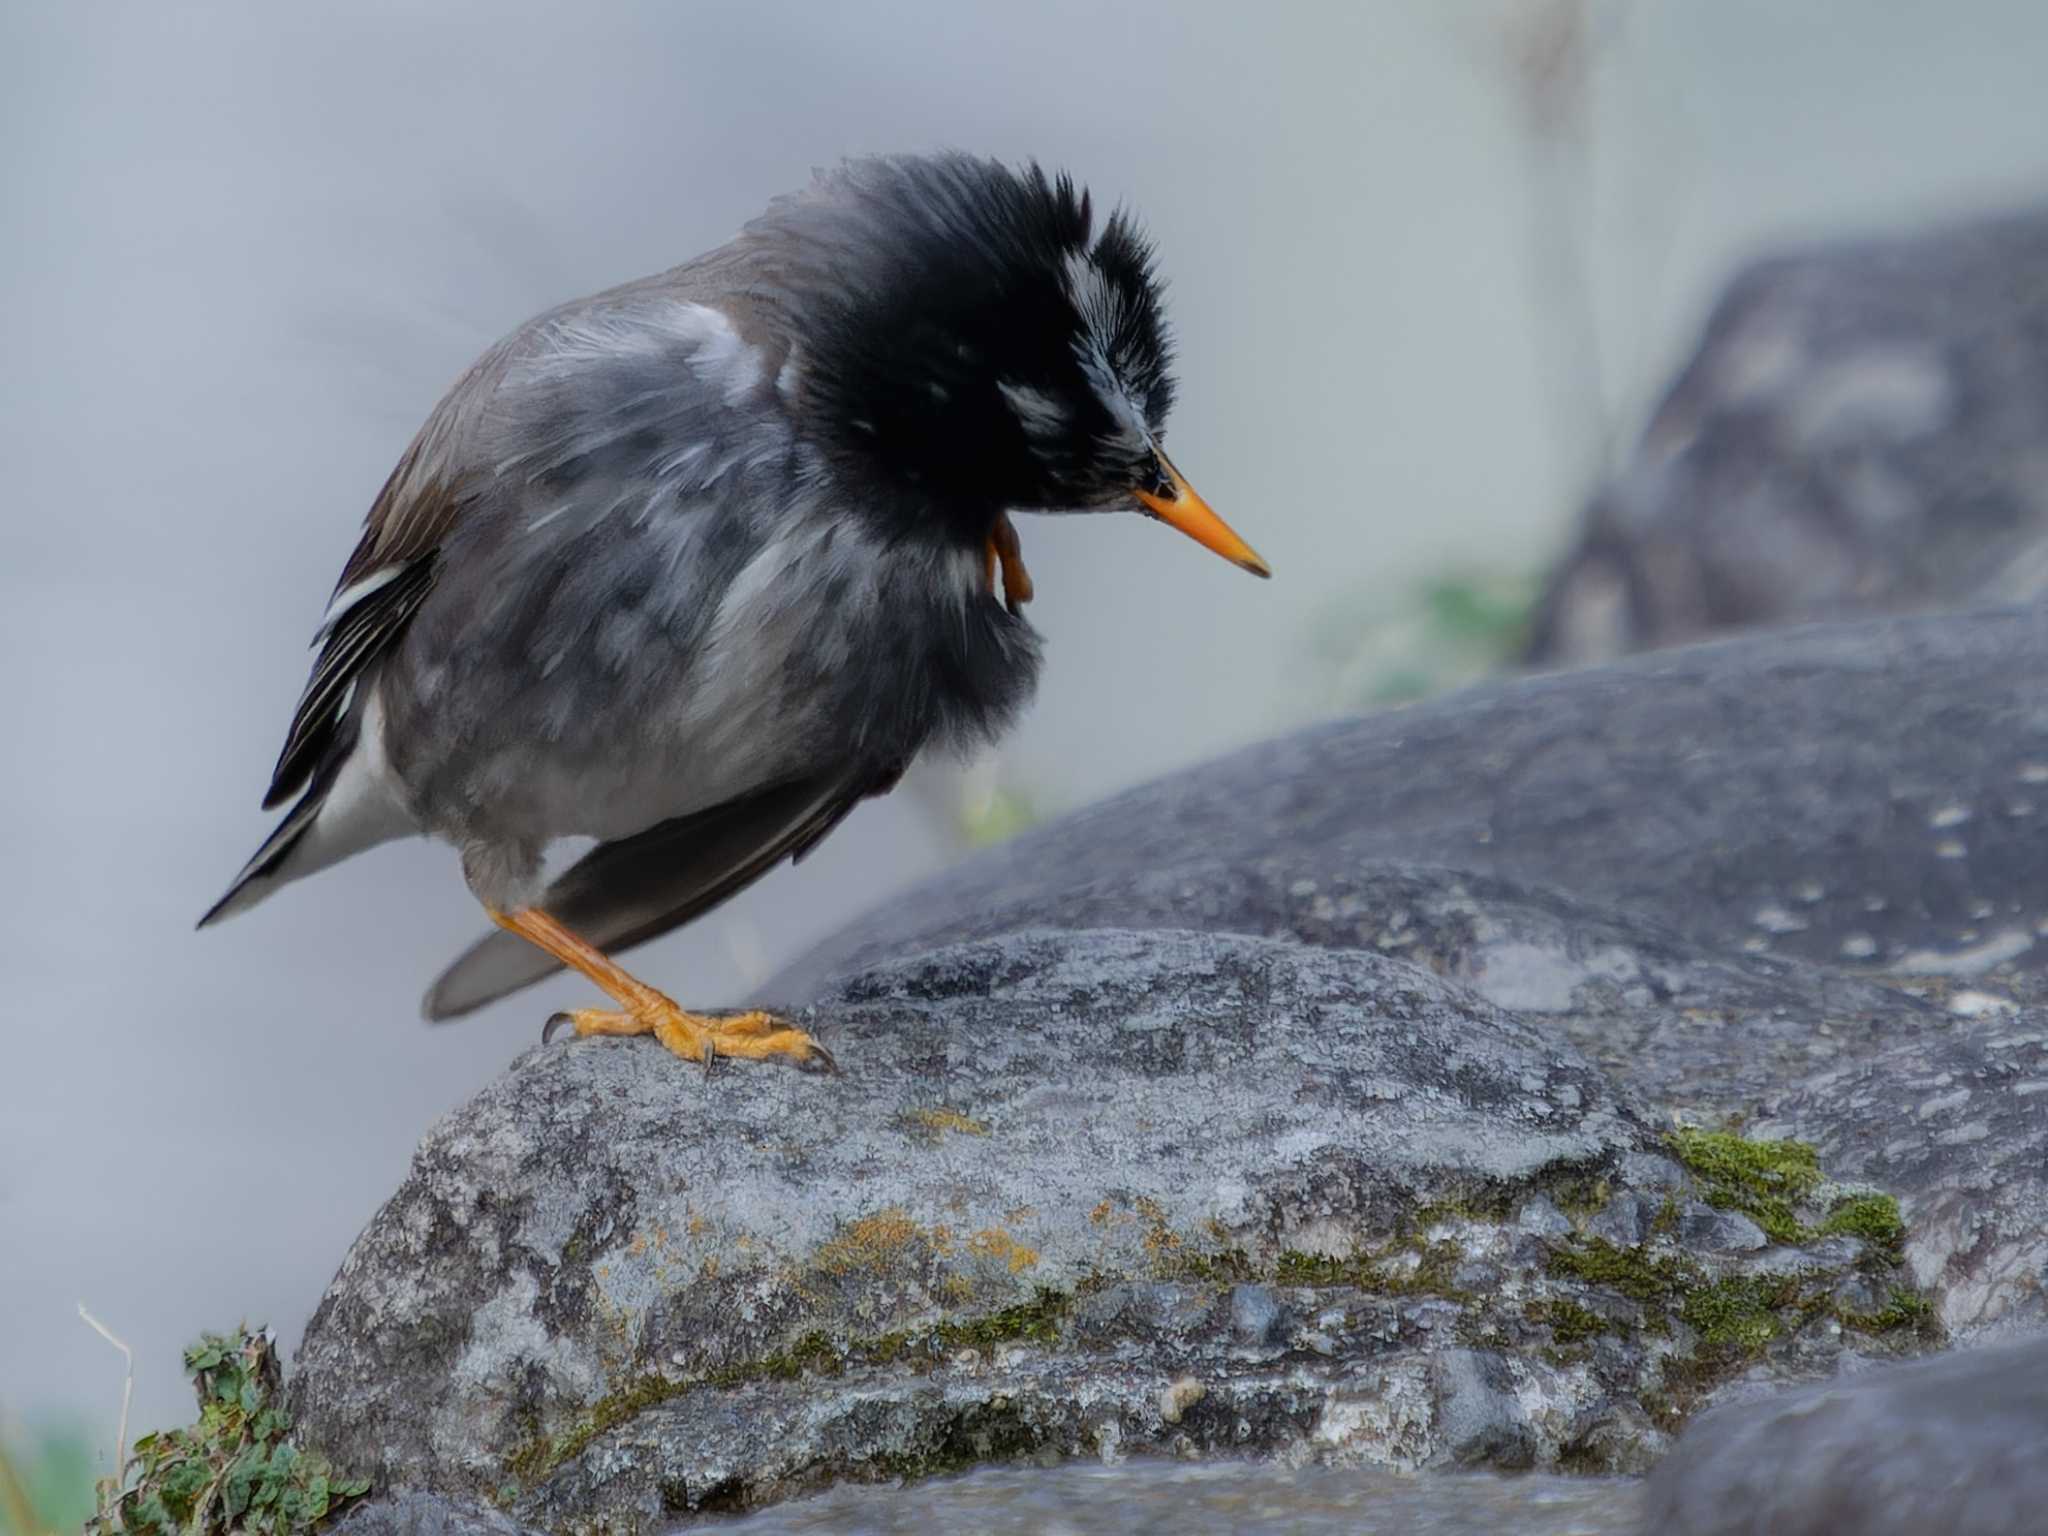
point(349, 804)
point(265, 871)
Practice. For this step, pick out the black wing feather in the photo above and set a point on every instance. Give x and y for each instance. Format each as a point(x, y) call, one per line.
point(358, 637)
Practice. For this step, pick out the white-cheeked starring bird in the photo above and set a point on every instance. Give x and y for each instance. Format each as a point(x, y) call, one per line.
point(693, 566)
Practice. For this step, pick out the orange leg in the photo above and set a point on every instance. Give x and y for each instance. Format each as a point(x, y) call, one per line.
point(751, 1036)
point(1006, 551)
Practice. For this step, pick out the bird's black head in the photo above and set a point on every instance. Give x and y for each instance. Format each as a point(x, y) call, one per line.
point(972, 343)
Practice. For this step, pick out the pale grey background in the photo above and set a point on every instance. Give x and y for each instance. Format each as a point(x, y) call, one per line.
point(248, 246)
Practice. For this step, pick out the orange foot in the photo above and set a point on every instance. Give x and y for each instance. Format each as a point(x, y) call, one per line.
point(1005, 551)
point(750, 1036)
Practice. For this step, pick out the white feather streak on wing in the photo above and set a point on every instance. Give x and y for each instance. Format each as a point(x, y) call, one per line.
point(364, 630)
point(723, 360)
point(708, 341)
point(352, 594)
point(337, 669)
point(547, 453)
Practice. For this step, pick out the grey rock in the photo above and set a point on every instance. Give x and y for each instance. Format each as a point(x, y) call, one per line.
point(1054, 1181)
point(1136, 1498)
point(1951, 1444)
point(1213, 1499)
point(412, 1513)
point(1624, 1221)
point(1479, 1413)
point(1859, 431)
point(1659, 831)
point(1956, 1123)
point(1861, 1293)
point(1256, 1315)
point(1648, 1170)
point(1541, 1217)
point(1706, 1229)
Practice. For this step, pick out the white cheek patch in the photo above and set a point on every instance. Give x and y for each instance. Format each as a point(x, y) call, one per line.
point(1101, 308)
point(1100, 305)
point(1131, 436)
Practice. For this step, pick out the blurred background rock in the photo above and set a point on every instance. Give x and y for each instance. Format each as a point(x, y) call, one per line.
point(1864, 429)
point(1431, 267)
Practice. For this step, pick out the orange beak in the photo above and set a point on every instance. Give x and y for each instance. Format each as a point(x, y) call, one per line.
point(1174, 502)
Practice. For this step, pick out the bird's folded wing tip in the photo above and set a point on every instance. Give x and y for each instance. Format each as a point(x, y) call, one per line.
point(495, 965)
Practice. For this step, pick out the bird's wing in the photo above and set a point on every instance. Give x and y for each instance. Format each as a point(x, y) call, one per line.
point(387, 577)
point(573, 393)
point(624, 893)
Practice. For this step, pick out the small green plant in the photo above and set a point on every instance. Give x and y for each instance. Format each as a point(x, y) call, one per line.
point(1773, 1182)
point(232, 1471)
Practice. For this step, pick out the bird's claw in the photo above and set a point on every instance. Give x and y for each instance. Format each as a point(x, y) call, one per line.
point(703, 1038)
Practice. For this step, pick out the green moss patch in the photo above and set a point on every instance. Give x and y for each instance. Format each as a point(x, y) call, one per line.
point(1765, 1180)
point(1734, 1317)
point(1635, 1273)
point(1873, 1218)
point(1036, 1321)
point(1775, 1182)
point(1739, 1313)
point(1906, 1310)
point(1568, 1322)
point(1383, 1272)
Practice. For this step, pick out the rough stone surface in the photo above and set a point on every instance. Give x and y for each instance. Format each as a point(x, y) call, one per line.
point(411, 1513)
point(1148, 1498)
point(1859, 431)
point(1226, 1499)
point(1955, 1121)
point(1951, 1444)
point(1066, 1178)
point(1869, 796)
